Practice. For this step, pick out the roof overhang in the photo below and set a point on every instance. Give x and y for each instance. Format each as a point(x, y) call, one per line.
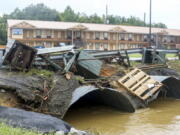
point(23, 25)
point(163, 32)
point(117, 29)
point(78, 27)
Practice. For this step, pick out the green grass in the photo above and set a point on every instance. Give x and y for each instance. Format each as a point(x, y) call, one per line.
point(135, 63)
point(174, 65)
point(40, 72)
point(136, 55)
point(8, 130)
point(171, 55)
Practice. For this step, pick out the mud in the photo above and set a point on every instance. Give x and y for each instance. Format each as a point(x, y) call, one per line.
point(60, 97)
point(37, 93)
point(8, 99)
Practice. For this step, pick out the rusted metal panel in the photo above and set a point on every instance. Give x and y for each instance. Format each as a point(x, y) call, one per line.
point(88, 66)
point(2, 46)
point(108, 70)
point(20, 56)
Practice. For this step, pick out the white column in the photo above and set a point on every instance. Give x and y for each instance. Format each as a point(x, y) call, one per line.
point(72, 38)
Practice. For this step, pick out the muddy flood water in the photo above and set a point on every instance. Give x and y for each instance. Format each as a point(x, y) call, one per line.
point(161, 118)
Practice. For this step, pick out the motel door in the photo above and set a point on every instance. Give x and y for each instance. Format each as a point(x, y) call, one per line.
point(111, 46)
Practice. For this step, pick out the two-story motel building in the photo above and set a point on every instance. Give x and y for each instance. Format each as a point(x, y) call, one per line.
point(89, 36)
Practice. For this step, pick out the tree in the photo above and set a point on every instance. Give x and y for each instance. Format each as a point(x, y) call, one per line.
point(68, 15)
point(95, 19)
point(42, 12)
point(3, 31)
point(159, 25)
point(35, 12)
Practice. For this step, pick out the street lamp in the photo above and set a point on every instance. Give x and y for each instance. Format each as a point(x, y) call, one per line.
point(150, 22)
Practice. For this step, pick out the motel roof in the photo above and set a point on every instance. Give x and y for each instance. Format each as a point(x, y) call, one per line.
point(33, 24)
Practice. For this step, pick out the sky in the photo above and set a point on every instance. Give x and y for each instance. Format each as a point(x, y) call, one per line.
point(165, 11)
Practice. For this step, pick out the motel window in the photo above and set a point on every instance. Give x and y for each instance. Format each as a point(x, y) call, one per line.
point(105, 35)
point(122, 36)
point(145, 37)
point(97, 35)
point(152, 37)
point(121, 46)
point(39, 44)
point(28, 34)
point(130, 37)
point(105, 46)
point(38, 33)
point(48, 44)
point(90, 46)
point(97, 46)
point(140, 46)
point(178, 39)
point(87, 35)
point(59, 34)
point(78, 34)
point(27, 43)
point(69, 35)
point(165, 39)
point(48, 32)
point(17, 31)
point(172, 39)
point(43, 33)
point(114, 36)
point(137, 46)
point(134, 46)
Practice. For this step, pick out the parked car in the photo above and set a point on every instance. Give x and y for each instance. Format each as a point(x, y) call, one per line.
point(39, 47)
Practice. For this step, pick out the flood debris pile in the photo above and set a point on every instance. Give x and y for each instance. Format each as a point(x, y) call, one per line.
point(50, 81)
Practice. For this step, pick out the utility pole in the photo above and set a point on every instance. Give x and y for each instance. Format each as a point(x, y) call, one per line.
point(150, 22)
point(106, 20)
point(144, 19)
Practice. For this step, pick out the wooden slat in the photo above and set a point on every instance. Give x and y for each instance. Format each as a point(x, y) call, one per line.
point(144, 87)
point(135, 79)
point(136, 71)
point(153, 91)
point(128, 75)
point(140, 82)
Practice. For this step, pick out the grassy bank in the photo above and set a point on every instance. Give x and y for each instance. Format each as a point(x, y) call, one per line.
point(8, 130)
point(174, 65)
point(138, 55)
